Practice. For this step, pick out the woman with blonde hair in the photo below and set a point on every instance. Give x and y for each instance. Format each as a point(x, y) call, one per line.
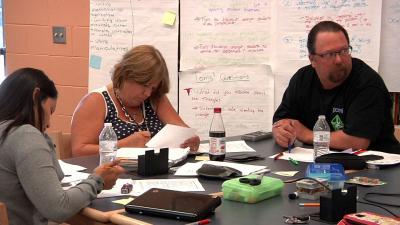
point(135, 103)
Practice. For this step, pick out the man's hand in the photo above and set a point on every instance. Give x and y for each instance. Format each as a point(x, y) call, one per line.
point(284, 132)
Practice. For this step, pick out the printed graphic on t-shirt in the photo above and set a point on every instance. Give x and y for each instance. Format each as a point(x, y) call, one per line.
point(337, 123)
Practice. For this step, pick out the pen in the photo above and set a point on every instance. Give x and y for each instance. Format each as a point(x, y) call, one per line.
point(309, 204)
point(201, 222)
point(278, 156)
point(289, 147)
point(293, 161)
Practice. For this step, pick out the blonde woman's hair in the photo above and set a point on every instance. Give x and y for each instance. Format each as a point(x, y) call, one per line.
point(142, 64)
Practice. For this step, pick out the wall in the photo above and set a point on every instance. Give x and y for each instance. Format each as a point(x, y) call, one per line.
point(28, 39)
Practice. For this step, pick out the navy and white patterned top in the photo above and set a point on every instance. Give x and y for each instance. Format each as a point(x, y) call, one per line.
point(123, 128)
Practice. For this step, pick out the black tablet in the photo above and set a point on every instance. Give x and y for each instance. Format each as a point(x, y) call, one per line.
point(174, 204)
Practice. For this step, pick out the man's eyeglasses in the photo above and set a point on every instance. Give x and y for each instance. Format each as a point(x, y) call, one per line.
point(332, 55)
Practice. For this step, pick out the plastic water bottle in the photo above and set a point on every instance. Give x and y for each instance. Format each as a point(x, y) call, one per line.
point(217, 137)
point(107, 144)
point(322, 137)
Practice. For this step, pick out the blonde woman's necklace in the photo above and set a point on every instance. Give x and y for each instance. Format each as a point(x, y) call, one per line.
point(132, 118)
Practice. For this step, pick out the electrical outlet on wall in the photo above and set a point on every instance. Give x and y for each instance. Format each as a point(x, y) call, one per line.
point(59, 35)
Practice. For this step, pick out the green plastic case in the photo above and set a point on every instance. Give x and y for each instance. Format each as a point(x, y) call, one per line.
point(242, 192)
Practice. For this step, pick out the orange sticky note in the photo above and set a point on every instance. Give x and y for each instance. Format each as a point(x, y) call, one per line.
point(169, 18)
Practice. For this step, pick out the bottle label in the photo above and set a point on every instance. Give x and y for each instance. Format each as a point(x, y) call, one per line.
point(321, 136)
point(217, 146)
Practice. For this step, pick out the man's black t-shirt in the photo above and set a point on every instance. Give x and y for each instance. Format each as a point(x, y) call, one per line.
point(360, 106)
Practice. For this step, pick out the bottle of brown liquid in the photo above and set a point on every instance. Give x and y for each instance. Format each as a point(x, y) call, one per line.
point(217, 137)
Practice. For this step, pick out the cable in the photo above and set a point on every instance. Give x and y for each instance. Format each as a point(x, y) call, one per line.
point(382, 194)
point(308, 178)
point(376, 205)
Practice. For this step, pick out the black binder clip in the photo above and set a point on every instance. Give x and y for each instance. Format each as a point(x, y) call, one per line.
point(333, 207)
point(151, 164)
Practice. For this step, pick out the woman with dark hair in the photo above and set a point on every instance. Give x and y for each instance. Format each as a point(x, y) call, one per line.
point(29, 171)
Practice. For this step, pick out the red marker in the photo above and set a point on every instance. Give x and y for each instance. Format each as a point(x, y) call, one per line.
point(201, 222)
point(359, 151)
point(278, 156)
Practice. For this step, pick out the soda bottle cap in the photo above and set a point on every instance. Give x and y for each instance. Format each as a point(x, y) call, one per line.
point(217, 110)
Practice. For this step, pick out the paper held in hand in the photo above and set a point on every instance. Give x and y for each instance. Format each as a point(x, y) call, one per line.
point(171, 136)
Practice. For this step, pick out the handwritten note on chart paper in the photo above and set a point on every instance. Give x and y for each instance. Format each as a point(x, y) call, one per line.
point(224, 32)
point(245, 93)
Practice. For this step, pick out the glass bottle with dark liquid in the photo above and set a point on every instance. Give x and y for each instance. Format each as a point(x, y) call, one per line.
point(217, 137)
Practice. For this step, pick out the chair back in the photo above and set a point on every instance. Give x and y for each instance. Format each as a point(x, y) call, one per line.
point(3, 214)
point(62, 142)
point(397, 132)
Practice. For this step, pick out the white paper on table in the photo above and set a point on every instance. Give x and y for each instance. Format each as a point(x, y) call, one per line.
point(388, 159)
point(174, 154)
point(74, 177)
point(116, 189)
point(171, 136)
point(299, 154)
point(141, 186)
point(69, 169)
point(189, 169)
point(231, 146)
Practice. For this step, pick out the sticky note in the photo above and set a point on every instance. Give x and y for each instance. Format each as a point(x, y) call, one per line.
point(123, 201)
point(286, 173)
point(202, 158)
point(169, 18)
point(95, 61)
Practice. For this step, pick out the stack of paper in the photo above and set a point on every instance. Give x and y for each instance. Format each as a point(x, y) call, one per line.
point(175, 155)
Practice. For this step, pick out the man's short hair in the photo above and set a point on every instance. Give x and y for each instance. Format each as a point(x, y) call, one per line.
point(324, 26)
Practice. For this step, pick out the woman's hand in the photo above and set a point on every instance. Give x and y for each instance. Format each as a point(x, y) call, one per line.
point(193, 143)
point(109, 172)
point(137, 139)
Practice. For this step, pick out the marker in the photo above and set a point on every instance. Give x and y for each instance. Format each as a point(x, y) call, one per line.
point(309, 204)
point(278, 156)
point(201, 222)
point(289, 147)
point(294, 162)
point(359, 151)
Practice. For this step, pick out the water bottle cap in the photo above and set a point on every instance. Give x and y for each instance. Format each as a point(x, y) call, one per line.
point(108, 124)
point(217, 110)
point(321, 117)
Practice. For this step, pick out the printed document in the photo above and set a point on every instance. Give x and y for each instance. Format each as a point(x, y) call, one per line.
point(231, 146)
point(141, 186)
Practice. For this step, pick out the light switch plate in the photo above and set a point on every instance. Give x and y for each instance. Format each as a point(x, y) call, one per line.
point(59, 35)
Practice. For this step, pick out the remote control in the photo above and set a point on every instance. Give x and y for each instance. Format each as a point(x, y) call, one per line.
point(257, 136)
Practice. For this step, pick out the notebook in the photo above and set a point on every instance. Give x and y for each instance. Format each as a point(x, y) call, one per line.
point(174, 204)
